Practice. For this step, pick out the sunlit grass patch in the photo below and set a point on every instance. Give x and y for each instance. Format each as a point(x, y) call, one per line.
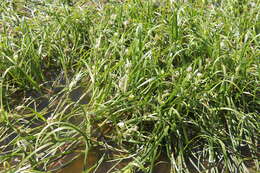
point(149, 80)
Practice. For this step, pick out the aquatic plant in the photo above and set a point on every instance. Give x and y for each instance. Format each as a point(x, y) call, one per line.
point(143, 79)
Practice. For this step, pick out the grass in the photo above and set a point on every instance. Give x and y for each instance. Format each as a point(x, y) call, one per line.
point(174, 77)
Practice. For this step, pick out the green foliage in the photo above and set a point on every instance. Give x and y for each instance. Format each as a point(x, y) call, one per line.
point(167, 76)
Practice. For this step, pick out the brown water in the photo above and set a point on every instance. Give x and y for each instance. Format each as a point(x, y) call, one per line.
point(162, 164)
point(77, 166)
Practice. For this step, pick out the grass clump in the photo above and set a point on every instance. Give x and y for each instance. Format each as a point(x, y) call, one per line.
point(141, 77)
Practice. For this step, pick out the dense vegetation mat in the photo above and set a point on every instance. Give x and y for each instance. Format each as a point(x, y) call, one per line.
point(137, 77)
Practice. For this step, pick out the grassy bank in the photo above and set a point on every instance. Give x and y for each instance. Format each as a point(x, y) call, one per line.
point(138, 77)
